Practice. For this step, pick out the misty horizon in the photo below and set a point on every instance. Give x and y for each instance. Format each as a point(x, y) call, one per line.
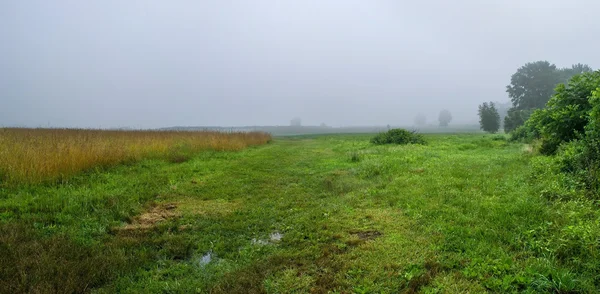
point(152, 64)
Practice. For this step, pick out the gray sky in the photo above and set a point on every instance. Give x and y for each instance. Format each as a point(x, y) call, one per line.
point(150, 64)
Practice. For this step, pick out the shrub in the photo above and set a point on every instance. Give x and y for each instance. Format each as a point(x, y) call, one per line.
point(515, 118)
point(499, 138)
point(520, 134)
point(581, 158)
point(569, 127)
point(567, 113)
point(398, 136)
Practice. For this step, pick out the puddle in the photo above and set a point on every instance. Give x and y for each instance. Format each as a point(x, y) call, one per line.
point(259, 242)
point(274, 237)
point(206, 258)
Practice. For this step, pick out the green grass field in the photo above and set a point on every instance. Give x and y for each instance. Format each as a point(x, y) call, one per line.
point(331, 213)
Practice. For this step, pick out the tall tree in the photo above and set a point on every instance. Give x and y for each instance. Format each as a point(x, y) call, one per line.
point(444, 118)
point(489, 119)
point(533, 84)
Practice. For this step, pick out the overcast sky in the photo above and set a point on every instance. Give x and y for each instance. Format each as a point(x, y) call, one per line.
point(147, 64)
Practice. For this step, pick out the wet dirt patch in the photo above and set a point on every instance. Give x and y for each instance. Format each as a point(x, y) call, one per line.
point(182, 207)
point(150, 218)
point(366, 235)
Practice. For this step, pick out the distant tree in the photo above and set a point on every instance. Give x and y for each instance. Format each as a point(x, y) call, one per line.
point(296, 122)
point(489, 119)
point(502, 109)
point(323, 125)
point(444, 118)
point(568, 73)
point(420, 119)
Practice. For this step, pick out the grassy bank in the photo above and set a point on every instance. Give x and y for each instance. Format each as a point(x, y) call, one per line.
point(37, 155)
point(464, 213)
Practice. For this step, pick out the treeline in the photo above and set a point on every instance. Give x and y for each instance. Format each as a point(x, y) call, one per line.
point(531, 87)
point(310, 130)
point(557, 112)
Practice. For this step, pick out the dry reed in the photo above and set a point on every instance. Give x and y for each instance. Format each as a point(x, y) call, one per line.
point(38, 155)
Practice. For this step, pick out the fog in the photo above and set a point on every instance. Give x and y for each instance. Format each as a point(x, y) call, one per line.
point(147, 64)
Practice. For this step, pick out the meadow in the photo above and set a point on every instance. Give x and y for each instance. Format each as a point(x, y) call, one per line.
point(38, 155)
point(465, 213)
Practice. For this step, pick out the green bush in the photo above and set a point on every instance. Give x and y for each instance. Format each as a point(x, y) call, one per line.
point(581, 158)
point(499, 138)
point(398, 136)
point(515, 118)
point(569, 127)
point(520, 134)
point(567, 113)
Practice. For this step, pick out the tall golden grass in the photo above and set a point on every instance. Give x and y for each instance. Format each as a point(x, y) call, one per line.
point(38, 155)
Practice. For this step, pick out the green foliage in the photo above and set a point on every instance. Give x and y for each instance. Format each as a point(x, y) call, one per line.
point(398, 136)
point(515, 118)
point(499, 137)
point(567, 113)
point(581, 157)
point(444, 118)
point(523, 134)
point(532, 86)
point(569, 128)
point(489, 119)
